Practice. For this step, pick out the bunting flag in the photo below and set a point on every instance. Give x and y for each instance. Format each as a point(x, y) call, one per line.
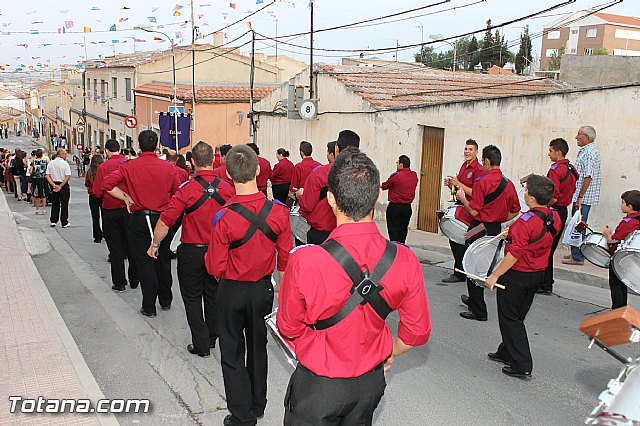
point(200, 15)
point(115, 41)
point(94, 8)
point(176, 13)
point(68, 24)
point(248, 24)
point(121, 20)
point(125, 8)
point(139, 40)
point(178, 7)
point(25, 45)
point(158, 38)
point(87, 29)
point(233, 5)
point(36, 22)
point(154, 9)
point(113, 28)
point(259, 1)
point(153, 19)
point(178, 34)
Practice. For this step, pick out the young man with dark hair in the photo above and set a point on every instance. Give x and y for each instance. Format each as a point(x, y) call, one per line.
point(265, 169)
point(340, 374)
point(199, 199)
point(247, 233)
point(402, 191)
point(172, 157)
point(630, 206)
point(221, 171)
point(494, 201)
point(148, 184)
point(522, 272)
point(564, 177)
point(216, 157)
point(347, 139)
point(115, 222)
point(470, 170)
point(303, 169)
point(331, 152)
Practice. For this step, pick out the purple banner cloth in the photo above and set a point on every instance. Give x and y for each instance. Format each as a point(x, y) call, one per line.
point(167, 130)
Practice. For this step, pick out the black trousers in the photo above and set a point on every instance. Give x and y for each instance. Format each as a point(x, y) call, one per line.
point(155, 274)
point(242, 307)
point(115, 224)
point(315, 236)
point(398, 216)
point(94, 205)
point(60, 204)
point(317, 400)
point(477, 304)
point(458, 253)
point(547, 284)
point(280, 191)
point(197, 288)
point(618, 290)
point(514, 303)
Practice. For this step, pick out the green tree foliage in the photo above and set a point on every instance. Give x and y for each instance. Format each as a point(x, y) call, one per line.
point(602, 51)
point(486, 53)
point(555, 60)
point(471, 55)
point(524, 52)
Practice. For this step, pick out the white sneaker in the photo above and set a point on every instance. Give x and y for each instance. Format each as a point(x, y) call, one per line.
point(67, 225)
point(53, 225)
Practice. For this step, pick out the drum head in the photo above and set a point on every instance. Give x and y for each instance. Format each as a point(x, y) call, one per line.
point(596, 254)
point(479, 256)
point(453, 229)
point(523, 205)
point(626, 265)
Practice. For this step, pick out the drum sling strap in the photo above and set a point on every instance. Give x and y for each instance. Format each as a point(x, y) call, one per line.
point(323, 192)
point(548, 225)
point(256, 221)
point(366, 287)
point(209, 190)
point(496, 193)
point(570, 170)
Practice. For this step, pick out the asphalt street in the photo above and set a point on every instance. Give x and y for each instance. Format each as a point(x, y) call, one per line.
point(448, 381)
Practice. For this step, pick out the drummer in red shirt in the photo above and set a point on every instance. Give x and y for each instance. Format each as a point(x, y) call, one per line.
point(630, 205)
point(281, 176)
point(304, 168)
point(564, 177)
point(470, 170)
point(265, 169)
point(494, 201)
point(402, 190)
point(522, 272)
point(221, 171)
point(340, 375)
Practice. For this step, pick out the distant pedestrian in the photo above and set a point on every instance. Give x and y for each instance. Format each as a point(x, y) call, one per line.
point(40, 188)
point(58, 175)
point(402, 190)
point(94, 202)
point(281, 176)
point(19, 174)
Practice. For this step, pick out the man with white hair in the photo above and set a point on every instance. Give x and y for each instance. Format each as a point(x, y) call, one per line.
point(588, 185)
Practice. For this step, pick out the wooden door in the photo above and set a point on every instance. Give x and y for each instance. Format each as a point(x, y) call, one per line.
point(430, 178)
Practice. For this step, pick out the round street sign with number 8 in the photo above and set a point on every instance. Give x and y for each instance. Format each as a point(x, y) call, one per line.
point(131, 122)
point(308, 109)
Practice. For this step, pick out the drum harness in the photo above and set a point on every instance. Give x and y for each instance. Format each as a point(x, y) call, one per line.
point(209, 190)
point(366, 286)
point(256, 222)
point(570, 170)
point(488, 199)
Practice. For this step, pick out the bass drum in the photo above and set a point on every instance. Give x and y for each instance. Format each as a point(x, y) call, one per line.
point(482, 255)
point(626, 261)
point(620, 403)
point(286, 346)
point(454, 223)
point(596, 250)
point(299, 225)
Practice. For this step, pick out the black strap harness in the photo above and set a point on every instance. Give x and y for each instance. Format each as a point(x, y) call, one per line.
point(497, 192)
point(570, 170)
point(256, 222)
point(209, 190)
point(548, 225)
point(366, 287)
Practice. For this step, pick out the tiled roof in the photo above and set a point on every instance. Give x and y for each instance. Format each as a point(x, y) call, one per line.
point(619, 19)
point(496, 70)
point(397, 88)
point(208, 92)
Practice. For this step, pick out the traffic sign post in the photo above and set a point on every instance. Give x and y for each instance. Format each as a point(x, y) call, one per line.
point(131, 122)
point(80, 122)
point(80, 129)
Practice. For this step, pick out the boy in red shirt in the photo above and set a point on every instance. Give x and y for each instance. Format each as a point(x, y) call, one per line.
point(522, 272)
point(630, 205)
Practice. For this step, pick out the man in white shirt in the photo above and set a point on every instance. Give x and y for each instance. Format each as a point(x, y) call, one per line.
point(58, 175)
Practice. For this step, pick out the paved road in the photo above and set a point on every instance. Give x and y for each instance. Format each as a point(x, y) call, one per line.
point(448, 381)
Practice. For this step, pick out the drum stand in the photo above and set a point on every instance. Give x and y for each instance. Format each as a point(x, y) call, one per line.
point(635, 338)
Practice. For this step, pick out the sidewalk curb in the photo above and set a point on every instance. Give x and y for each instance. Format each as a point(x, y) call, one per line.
point(85, 377)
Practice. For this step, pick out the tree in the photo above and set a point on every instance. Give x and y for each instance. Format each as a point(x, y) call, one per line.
point(602, 51)
point(433, 59)
point(555, 60)
point(471, 55)
point(486, 53)
point(524, 57)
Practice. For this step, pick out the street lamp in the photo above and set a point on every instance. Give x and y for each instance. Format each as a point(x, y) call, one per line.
point(440, 37)
point(175, 88)
point(421, 27)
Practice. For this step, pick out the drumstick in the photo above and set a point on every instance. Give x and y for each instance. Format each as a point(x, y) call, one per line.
point(500, 235)
point(149, 226)
point(475, 277)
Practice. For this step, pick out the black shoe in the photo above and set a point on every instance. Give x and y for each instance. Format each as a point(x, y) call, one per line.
point(119, 288)
point(453, 278)
point(192, 350)
point(472, 316)
point(213, 343)
point(509, 372)
point(227, 420)
point(545, 292)
point(465, 299)
point(147, 314)
point(166, 308)
point(493, 356)
point(133, 285)
point(97, 240)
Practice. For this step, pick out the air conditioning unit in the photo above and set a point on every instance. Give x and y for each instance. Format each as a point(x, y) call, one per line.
point(296, 97)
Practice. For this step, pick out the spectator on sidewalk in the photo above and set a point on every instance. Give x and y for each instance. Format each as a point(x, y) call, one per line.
point(94, 202)
point(19, 174)
point(40, 187)
point(58, 175)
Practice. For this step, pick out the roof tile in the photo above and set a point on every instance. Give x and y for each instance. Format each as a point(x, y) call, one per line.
point(209, 92)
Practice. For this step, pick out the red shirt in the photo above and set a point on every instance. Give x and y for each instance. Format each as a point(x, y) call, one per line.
point(221, 172)
point(626, 226)
point(282, 172)
point(469, 173)
point(149, 180)
point(402, 186)
point(196, 226)
point(498, 210)
point(183, 175)
point(265, 172)
point(256, 258)
point(317, 212)
point(531, 257)
point(302, 170)
point(216, 161)
point(89, 185)
point(565, 190)
point(315, 287)
point(109, 202)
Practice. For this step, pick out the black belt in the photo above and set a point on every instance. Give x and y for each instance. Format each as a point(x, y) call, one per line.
point(145, 212)
point(265, 278)
point(376, 368)
point(195, 245)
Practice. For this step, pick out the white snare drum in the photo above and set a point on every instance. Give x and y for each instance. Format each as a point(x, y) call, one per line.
point(523, 206)
point(626, 261)
point(299, 225)
point(619, 403)
point(480, 255)
point(270, 322)
point(451, 227)
point(596, 250)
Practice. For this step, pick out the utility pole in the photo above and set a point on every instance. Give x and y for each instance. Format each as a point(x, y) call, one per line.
point(311, 55)
point(193, 75)
point(252, 129)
